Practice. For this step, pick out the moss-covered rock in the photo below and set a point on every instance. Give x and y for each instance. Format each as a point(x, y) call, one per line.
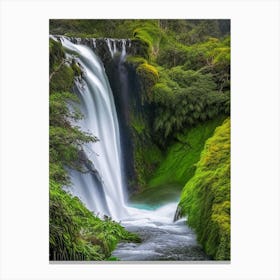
point(148, 76)
point(205, 199)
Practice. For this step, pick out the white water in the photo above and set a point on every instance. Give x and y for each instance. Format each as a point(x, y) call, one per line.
point(100, 118)
point(162, 239)
point(112, 47)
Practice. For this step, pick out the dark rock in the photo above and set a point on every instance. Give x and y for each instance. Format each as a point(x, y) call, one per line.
point(178, 214)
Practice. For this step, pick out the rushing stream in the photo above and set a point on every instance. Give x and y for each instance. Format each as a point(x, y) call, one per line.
point(103, 190)
point(162, 239)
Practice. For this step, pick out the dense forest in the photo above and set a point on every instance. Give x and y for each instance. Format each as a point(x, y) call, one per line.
point(170, 81)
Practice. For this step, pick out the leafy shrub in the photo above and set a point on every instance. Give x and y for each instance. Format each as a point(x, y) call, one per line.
point(185, 98)
point(65, 140)
point(76, 234)
point(209, 57)
point(62, 79)
point(172, 55)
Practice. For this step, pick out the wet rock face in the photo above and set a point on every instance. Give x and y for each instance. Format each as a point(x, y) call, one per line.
point(102, 50)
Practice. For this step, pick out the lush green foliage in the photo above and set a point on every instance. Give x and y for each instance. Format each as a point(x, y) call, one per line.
point(193, 31)
point(158, 34)
point(170, 170)
point(75, 234)
point(192, 81)
point(96, 28)
point(206, 197)
point(184, 98)
point(191, 88)
point(188, 31)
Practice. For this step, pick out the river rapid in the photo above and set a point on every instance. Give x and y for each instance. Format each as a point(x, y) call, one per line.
point(162, 239)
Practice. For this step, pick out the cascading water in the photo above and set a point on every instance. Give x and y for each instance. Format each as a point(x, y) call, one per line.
point(112, 47)
point(100, 118)
point(102, 189)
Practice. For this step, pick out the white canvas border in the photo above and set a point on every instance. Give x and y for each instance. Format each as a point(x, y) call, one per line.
point(24, 138)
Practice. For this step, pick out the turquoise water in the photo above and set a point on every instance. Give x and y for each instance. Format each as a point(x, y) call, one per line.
point(144, 206)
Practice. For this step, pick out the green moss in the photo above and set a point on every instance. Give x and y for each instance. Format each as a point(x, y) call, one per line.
point(206, 197)
point(149, 71)
point(177, 166)
point(151, 34)
point(148, 76)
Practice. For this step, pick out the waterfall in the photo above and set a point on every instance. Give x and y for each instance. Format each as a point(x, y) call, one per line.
point(102, 191)
point(123, 53)
point(114, 49)
point(101, 185)
point(111, 50)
